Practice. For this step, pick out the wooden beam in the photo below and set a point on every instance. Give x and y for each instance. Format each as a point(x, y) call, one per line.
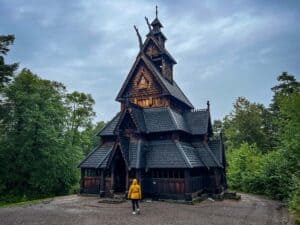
point(187, 185)
point(102, 183)
point(82, 181)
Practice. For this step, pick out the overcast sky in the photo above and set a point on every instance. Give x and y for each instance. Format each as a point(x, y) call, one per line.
point(224, 49)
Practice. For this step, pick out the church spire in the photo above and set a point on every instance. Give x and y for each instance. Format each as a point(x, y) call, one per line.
point(156, 24)
point(156, 29)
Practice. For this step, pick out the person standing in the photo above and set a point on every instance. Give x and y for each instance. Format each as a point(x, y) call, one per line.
point(135, 194)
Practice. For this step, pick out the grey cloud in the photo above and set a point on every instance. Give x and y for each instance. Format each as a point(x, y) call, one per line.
point(223, 49)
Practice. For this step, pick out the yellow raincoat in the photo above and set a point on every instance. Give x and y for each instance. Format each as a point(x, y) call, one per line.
point(134, 190)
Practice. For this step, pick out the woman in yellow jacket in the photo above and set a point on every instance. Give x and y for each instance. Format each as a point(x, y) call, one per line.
point(135, 194)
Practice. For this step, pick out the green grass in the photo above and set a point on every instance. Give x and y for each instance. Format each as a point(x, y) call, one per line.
point(5, 204)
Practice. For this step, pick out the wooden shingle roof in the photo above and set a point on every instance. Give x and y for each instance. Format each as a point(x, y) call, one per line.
point(98, 158)
point(155, 120)
point(155, 154)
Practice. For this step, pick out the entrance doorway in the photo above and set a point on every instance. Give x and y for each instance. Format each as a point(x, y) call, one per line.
point(119, 172)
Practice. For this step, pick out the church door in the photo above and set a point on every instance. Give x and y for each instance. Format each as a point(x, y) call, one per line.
point(119, 172)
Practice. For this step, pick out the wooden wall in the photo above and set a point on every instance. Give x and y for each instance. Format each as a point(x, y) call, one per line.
point(152, 50)
point(163, 186)
point(91, 185)
point(144, 90)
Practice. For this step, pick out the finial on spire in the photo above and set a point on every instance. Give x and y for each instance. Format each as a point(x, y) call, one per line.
point(139, 36)
point(156, 11)
point(208, 105)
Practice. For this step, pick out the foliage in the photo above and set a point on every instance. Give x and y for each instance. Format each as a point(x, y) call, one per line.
point(247, 123)
point(12, 202)
point(244, 168)
point(44, 135)
point(89, 140)
point(287, 86)
point(294, 202)
point(80, 107)
point(33, 140)
point(256, 169)
point(6, 70)
point(217, 126)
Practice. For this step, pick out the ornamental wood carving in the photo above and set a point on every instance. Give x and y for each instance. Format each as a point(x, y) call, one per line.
point(152, 50)
point(144, 90)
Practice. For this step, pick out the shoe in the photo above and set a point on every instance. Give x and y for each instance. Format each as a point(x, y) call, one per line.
point(133, 213)
point(138, 211)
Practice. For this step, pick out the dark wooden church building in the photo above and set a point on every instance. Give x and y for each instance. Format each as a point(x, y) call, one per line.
point(157, 137)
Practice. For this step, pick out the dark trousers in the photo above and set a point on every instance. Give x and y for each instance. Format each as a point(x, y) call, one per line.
point(135, 203)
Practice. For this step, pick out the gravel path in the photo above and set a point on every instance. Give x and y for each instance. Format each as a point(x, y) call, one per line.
point(79, 210)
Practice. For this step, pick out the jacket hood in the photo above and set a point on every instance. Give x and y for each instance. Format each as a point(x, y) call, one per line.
point(134, 182)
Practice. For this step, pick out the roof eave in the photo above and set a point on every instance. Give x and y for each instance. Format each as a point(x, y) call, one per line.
point(79, 165)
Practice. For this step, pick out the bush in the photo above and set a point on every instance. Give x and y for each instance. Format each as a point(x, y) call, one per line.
point(245, 169)
point(294, 203)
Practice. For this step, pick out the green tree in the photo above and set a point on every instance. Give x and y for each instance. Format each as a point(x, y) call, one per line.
point(251, 130)
point(247, 124)
point(81, 112)
point(34, 156)
point(88, 138)
point(217, 126)
point(287, 86)
point(244, 168)
point(281, 169)
point(6, 70)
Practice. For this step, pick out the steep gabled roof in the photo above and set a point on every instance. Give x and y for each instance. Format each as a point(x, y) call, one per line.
point(167, 119)
point(165, 154)
point(109, 128)
point(138, 59)
point(123, 118)
point(138, 116)
point(168, 153)
point(170, 88)
point(216, 147)
point(124, 145)
point(136, 151)
point(156, 22)
point(98, 158)
point(212, 154)
point(164, 119)
point(206, 155)
point(177, 154)
point(162, 49)
point(192, 154)
point(198, 121)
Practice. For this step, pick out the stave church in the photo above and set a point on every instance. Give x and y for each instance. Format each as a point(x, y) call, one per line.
point(157, 137)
